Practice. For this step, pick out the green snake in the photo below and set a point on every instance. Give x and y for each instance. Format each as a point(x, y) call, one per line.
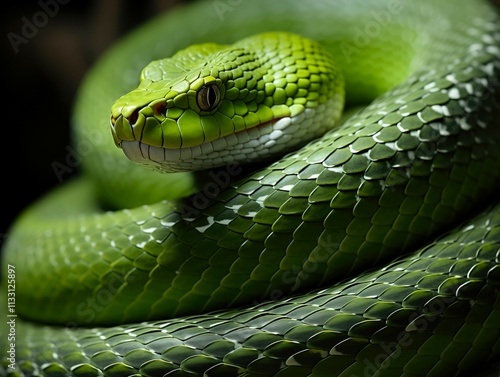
point(372, 250)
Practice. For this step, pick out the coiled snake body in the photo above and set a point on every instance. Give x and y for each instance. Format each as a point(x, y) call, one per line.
point(133, 291)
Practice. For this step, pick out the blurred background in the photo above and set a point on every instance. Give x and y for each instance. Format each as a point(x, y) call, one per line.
point(41, 71)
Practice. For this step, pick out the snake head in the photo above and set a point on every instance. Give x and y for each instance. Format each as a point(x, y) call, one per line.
point(210, 105)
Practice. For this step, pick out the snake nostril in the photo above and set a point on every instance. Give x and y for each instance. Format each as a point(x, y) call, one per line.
point(160, 109)
point(133, 117)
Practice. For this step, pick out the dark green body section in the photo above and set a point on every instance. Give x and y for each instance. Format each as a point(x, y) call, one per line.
point(434, 313)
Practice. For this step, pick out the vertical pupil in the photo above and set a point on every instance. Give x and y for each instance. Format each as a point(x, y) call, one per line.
point(211, 96)
point(208, 97)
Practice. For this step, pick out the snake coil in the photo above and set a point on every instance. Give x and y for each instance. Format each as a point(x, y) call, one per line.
point(125, 292)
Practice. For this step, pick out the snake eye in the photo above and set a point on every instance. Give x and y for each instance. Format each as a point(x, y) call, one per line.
point(208, 97)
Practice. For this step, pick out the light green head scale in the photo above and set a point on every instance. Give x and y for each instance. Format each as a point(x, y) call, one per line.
point(210, 105)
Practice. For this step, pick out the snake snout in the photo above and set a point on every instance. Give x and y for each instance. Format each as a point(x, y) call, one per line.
point(112, 122)
point(122, 128)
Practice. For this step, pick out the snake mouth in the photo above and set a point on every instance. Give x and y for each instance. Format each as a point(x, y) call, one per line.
point(236, 147)
point(122, 129)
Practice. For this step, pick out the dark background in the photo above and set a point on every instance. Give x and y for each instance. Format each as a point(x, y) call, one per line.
point(40, 81)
